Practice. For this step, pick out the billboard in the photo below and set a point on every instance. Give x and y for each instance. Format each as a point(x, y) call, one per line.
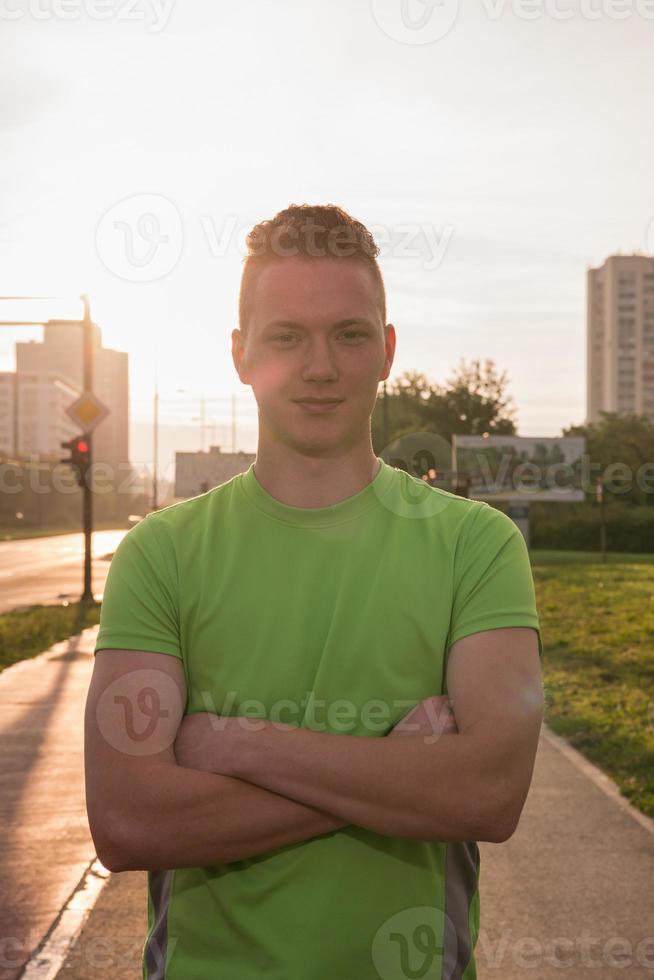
point(520, 468)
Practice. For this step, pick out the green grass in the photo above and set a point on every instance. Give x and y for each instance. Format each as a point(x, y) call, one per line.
point(31, 630)
point(597, 624)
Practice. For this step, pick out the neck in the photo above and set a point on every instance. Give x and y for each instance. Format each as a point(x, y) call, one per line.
point(301, 480)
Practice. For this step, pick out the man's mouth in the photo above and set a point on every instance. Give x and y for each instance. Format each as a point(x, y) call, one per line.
point(316, 405)
point(319, 401)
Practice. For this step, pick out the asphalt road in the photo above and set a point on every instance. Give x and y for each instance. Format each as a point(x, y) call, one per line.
point(47, 570)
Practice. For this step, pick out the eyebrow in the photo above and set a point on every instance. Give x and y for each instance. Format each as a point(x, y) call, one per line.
point(295, 325)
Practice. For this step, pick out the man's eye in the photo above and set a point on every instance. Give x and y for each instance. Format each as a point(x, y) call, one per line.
point(284, 336)
point(354, 333)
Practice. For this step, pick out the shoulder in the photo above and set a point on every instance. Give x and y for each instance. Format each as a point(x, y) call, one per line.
point(463, 516)
point(484, 518)
point(486, 530)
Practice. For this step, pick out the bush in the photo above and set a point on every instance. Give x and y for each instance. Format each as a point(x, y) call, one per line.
point(576, 527)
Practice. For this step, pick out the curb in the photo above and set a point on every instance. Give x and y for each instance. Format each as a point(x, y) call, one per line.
point(604, 782)
point(47, 960)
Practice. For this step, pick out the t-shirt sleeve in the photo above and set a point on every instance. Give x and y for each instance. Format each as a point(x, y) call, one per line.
point(493, 582)
point(140, 608)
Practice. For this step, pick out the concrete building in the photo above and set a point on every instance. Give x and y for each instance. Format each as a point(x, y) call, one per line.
point(196, 473)
point(60, 355)
point(42, 398)
point(620, 337)
point(8, 414)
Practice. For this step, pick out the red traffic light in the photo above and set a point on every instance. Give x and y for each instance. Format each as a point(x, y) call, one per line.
point(80, 456)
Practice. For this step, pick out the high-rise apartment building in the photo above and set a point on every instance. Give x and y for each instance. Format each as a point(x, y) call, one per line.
point(41, 420)
point(620, 337)
point(60, 356)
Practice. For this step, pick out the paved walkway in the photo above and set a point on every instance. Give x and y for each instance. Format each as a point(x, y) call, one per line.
point(573, 889)
point(44, 836)
point(570, 891)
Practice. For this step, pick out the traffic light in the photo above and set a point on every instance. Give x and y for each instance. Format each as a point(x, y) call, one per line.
point(80, 457)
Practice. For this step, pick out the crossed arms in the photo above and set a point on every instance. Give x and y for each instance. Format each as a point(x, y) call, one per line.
point(201, 789)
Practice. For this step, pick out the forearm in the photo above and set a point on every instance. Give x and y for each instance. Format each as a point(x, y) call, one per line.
point(405, 787)
point(187, 818)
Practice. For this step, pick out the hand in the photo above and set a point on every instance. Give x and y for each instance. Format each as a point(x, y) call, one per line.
point(211, 742)
point(431, 718)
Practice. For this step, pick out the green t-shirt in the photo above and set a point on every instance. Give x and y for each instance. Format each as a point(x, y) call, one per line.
point(338, 619)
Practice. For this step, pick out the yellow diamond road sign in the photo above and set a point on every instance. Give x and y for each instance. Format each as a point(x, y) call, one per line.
point(87, 411)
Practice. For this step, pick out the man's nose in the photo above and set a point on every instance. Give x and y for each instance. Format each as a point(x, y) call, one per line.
point(320, 362)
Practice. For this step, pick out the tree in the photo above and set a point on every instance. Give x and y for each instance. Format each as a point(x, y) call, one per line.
point(621, 449)
point(473, 401)
point(476, 401)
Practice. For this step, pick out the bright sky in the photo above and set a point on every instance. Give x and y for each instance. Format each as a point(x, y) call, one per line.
point(495, 163)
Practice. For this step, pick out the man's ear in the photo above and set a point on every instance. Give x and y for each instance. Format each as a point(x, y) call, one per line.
point(238, 356)
point(389, 345)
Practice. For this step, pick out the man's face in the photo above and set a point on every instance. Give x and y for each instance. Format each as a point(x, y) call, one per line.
point(315, 332)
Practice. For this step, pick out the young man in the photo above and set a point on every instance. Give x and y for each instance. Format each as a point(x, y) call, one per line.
point(258, 642)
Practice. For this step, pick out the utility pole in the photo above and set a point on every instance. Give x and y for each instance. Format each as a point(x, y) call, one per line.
point(87, 495)
point(155, 502)
point(599, 490)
